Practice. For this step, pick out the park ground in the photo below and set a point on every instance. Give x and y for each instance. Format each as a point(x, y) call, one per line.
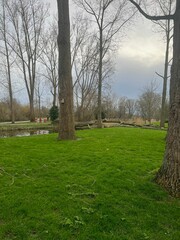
point(99, 187)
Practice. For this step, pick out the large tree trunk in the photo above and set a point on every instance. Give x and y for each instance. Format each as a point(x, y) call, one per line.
point(66, 127)
point(169, 173)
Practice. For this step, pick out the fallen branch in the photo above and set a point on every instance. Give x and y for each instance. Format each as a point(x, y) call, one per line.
point(12, 180)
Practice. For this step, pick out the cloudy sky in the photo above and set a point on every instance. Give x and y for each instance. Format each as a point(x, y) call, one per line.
point(139, 56)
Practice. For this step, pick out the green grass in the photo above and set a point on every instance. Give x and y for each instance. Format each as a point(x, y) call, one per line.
point(157, 124)
point(96, 188)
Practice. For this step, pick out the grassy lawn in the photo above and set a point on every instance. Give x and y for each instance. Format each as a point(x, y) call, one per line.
point(157, 124)
point(96, 188)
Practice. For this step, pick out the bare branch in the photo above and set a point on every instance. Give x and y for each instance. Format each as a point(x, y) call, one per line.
point(155, 18)
point(159, 75)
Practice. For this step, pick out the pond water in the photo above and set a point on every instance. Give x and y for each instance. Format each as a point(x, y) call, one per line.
point(23, 133)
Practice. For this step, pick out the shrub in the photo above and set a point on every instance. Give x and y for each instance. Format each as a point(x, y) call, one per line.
point(53, 113)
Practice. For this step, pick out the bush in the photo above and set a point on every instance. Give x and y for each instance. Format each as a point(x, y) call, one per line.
point(53, 113)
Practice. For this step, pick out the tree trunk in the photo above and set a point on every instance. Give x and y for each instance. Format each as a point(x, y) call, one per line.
point(99, 115)
point(54, 97)
point(31, 105)
point(10, 86)
point(169, 174)
point(66, 123)
point(39, 106)
point(11, 103)
point(162, 121)
point(8, 64)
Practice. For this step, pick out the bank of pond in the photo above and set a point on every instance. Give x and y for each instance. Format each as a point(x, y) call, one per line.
point(24, 133)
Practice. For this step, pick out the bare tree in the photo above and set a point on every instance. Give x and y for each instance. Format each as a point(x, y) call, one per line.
point(6, 53)
point(39, 90)
point(86, 80)
point(84, 65)
point(168, 175)
point(149, 102)
point(109, 17)
point(109, 105)
point(126, 108)
point(131, 106)
point(79, 35)
point(66, 128)
point(86, 70)
point(122, 107)
point(49, 59)
point(27, 21)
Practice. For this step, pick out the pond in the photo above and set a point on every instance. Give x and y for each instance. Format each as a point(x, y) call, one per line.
point(23, 133)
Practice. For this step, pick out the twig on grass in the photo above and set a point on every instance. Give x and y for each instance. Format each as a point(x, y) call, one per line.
point(12, 177)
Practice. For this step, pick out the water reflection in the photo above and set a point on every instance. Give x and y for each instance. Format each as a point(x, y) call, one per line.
point(23, 133)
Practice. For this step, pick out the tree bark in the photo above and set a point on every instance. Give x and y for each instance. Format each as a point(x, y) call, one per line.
point(66, 122)
point(169, 173)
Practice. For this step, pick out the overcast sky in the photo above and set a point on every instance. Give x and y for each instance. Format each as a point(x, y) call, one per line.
point(139, 56)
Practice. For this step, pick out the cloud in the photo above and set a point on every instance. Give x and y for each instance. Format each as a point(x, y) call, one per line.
point(140, 56)
point(131, 76)
point(138, 60)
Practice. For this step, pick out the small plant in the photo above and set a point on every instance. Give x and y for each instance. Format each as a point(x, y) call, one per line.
point(87, 210)
point(75, 223)
point(53, 113)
